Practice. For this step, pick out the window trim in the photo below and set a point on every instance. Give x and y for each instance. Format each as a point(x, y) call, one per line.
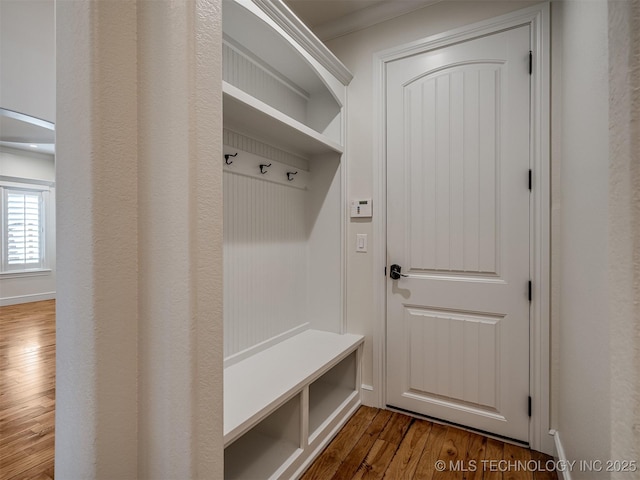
point(25, 185)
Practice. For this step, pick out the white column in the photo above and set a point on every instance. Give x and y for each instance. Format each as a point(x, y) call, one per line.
point(139, 362)
point(180, 239)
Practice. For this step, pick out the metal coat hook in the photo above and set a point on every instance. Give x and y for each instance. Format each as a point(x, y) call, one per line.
point(290, 175)
point(263, 168)
point(227, 156)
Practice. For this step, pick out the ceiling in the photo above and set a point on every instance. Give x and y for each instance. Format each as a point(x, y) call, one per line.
point(24, 132)
point(333, 18)
point(317, 12)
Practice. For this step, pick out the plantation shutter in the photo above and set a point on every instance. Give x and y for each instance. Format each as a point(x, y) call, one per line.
point(24, 228)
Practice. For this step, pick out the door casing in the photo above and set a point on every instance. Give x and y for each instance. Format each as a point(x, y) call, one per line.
point(537, 17)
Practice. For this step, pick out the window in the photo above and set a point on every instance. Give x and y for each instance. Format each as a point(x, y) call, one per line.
point(22, 229)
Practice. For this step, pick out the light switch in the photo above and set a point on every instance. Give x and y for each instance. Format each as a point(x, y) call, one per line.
point(361, 242)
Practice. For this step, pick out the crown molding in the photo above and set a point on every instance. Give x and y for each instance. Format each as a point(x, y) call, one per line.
point(277, 11)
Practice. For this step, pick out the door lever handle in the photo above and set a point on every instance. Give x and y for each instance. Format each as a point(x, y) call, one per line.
point(396, 272)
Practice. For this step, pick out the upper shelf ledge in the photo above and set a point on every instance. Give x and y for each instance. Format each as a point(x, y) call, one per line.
point(248, 115)
point(290, 23)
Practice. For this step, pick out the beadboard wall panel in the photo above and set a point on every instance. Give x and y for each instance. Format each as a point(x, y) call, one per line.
point(265, 261)
point(247, 144)
point(455, 169)
point(324, 227)
point(247, 73)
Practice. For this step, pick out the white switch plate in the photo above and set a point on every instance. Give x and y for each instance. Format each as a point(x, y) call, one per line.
point(361, 242)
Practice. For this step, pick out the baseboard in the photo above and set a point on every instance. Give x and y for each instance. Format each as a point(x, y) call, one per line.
point(560, 455)
point(368, 396)
point(36, 297)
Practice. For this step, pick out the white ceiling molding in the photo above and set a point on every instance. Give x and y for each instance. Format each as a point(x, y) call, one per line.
point(367, 17)
point(280, 13)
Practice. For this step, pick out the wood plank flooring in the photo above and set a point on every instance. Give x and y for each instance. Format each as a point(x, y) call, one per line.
point(27, 390)
point(374, 444)
point(379, 444)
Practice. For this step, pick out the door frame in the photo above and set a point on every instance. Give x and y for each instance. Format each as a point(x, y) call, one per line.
point(537, 17)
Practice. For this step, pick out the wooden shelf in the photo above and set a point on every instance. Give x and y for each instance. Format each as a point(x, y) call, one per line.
point(248, 115)
point(325, 399)
point(258, 385)
point(331, 391)
point(274, 34)
point(257, 455)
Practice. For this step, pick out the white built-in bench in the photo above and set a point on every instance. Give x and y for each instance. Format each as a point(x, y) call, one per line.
point(284, 404)
point(287, 389)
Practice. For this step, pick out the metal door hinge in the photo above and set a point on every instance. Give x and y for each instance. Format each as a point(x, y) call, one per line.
point(530, 290)
point(530, 405)
point(530, 179)
point(530, 62)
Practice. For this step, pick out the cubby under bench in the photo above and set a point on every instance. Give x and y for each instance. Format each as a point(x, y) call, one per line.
point(284, 404)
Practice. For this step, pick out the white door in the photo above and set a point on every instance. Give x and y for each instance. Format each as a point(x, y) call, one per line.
point(458, 225)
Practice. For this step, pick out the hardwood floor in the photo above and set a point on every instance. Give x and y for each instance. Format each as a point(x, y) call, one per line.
point(27, 390)
point(374, 444)
point(378, 444)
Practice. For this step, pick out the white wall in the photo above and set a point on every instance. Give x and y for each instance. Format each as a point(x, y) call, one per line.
point(22, 166)
point(27, 85)
point(580, 203)
point(624, 228)
point(27, 165)
point(27, 50)
point(595, 211)
point(356, 51)
point(595, 219)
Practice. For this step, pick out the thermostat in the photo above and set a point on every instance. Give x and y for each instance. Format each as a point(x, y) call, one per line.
point(361, 208)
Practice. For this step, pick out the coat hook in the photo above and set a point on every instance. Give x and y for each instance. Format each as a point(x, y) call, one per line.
point(263, 168)
point(227, 156)
point(290, 175)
